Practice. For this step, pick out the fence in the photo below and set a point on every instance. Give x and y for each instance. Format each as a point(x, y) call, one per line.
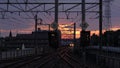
point(107, 61)
point(16, 54)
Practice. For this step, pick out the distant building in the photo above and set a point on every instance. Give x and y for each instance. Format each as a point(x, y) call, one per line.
point(117, 38)
point(94, 39)
point(111, 38)
point(10, 34)
point(1, 41)
point(35, 39)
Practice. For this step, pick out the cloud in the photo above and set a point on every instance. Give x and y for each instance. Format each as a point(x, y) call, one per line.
point(115, 22)
point(17, 24)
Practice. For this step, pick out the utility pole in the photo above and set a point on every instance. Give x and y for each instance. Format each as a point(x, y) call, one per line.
point(100, 23)
point(35, 35)
point(107, 18)
point(36, 23)
point(74, 34)
point(54, 25)
point(56, 13)
point(107, 14)
point(83, 14)
point(83, 29)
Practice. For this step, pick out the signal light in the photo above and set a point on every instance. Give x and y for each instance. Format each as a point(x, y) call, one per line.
point(85, 38)
point(53, 39)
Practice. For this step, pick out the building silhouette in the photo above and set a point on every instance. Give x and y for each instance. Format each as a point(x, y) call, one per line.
point(35, 39)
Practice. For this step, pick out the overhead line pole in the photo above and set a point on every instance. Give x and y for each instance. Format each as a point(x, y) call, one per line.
point(83, 22)
point(83, 13)
point(56, 13)
point(100, 23)
point(36, 23)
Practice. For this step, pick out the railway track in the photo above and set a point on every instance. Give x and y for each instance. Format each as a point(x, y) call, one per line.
point(70, 59)
point(63, 59)
point(60, 58)
point(18, 63)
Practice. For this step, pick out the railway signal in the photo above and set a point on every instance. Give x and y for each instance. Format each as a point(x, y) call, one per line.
point(54, 39)
point(85, 38)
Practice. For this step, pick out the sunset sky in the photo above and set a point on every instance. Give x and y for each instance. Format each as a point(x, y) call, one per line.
point(19, 23)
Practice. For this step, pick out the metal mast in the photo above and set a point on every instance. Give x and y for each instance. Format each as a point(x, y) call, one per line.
point(83, 14)
point(56, 13)
point(107, 14)
point(100, 23)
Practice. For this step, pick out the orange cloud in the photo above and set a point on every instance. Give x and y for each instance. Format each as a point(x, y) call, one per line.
point(64, 30)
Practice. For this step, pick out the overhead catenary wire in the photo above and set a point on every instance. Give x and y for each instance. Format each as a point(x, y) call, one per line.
point(92, 6)
point(23, 9)
point(50, 16)
point(46, 13)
